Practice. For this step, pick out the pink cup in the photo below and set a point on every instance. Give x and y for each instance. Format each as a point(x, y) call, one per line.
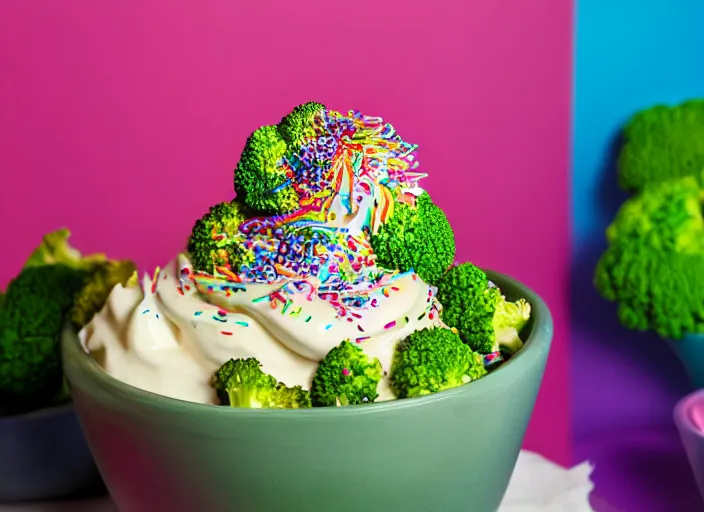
point(689, 418)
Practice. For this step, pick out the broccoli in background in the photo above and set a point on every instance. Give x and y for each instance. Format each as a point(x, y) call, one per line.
point(346, 376)
point(663, 143)
point(30, 322)
point(432, 360)
point(485, 320)
point(664, 216)
point(417, 237)
point(56, 249)
point(654, 265)
point(242, 383)
point(259, 180)
point(215, 239)
point(96, 288)
point(56, 281)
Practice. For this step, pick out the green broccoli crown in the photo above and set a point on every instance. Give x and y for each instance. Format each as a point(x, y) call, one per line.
point(30, 322)
point(242, 383)
point(662, 143)
point(300, 123)
point(346, 376)
point(469, 305)
point(417, 237)
point(432, 360)
point(654, 290)
point(260, 179)
point(96, 289)
point(665, 216)
point(216, 240)
point(654, 265)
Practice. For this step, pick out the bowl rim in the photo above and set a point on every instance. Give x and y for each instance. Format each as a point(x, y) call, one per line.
point(534, 351)
point(681, 413)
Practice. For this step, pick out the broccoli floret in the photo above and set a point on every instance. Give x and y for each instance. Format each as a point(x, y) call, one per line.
point(260, 178)
point(294, 397)
point(654, 290)
point(654, 265)
point(346, 376)
point(30, 322)
point(468, 305)
point(242, 383)
point(96, 289)
point(432, 360)
point(662, 143)
point(417, 237)
point(300, 123)
point(509, 319)
point(36, 304)
point(216, 240)
point(665, 216)
point(55, 248)
point(485, 320)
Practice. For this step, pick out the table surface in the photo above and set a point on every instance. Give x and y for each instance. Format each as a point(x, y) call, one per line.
point(641, 470)
point(645, 470)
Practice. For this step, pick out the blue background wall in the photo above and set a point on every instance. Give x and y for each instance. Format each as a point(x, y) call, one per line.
point(630, 55)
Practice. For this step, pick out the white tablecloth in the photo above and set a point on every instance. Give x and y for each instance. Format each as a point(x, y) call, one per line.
point(537, 485)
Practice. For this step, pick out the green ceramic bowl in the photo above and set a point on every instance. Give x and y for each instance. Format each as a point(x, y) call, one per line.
point(451, 451)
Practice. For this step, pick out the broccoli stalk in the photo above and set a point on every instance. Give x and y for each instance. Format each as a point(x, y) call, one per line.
point(346, 376)
point(432, 360)
point(485, 320)
point(418, 237)
point(242, 383)
point(260, 179)
point(654, 264)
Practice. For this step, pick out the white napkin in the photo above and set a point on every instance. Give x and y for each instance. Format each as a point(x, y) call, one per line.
point(539, 485)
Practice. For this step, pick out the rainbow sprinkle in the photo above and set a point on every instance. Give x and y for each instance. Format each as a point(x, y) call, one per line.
point(347, 173)
point(492, 358)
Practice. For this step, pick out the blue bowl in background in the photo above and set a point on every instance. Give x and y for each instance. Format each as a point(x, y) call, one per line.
point(690, 350)
point(43, 456)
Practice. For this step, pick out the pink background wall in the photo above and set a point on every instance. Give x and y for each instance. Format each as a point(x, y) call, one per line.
point(124, 120)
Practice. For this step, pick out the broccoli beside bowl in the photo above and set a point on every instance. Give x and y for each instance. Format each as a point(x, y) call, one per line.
point(450, 450)
point(43, 454)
